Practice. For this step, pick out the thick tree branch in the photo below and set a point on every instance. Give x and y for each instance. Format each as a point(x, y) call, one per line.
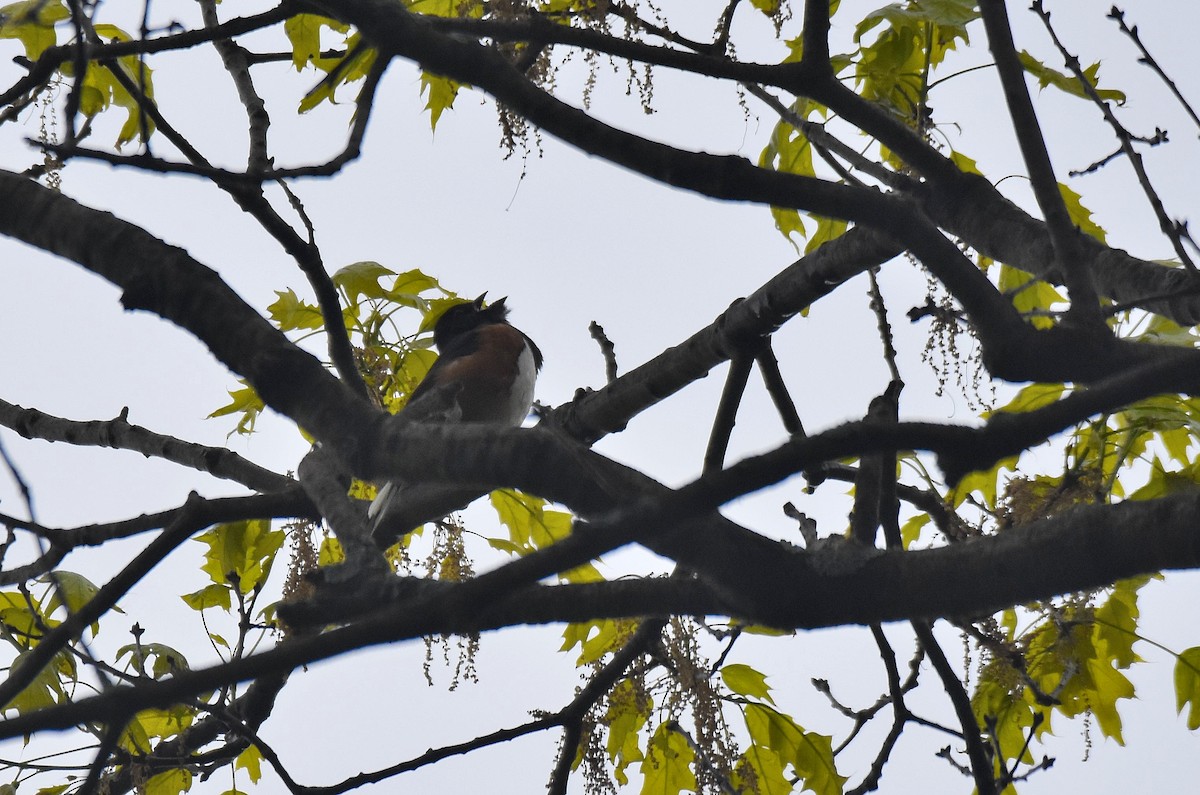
point(119, 434)
point(1085, 306)
point(250, 710)
point(155, 276)
point(971, 208)
point(1084, 549)
point(608, 410)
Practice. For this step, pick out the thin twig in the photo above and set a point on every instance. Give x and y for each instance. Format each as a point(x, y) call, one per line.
point(1159, 137)
point(108, 742)
point(1118, 16)
point(607, 350)
point(1165, 224)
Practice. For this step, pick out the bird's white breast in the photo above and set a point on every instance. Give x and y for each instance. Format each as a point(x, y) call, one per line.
point(521, 397)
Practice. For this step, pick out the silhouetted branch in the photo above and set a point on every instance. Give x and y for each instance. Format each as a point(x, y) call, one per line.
point(1118, 16)
point(981, 763)
point(1135, 158)
point(607, 350)
point(195, 515)
point(726, 415)
point(118, 433)
point(1085, 304)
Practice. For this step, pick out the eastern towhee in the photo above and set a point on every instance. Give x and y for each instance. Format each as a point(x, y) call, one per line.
point(485, 372)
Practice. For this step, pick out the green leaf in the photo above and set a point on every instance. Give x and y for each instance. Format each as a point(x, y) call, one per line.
point(608, 636)
point(171, 782)
point(827, 229)
point(746, 681)
point(759, 770)
point(789, 151)
point(531, 526)
point(241, 553)
point(1117, 621)
point(440, 93)
point(1030, 294)
point(304, 33)
point(809, 754)
point(32, 22)
point(100, 88)
point(954, 14)
point(330, 552)
point(985, 482)
point(211, 595)
point(159, 658)
point(1107, 686)
point(1000, 695)
point(165, 723)
point(910, 531)
point(1033, 396)
point(361, 280)
point(350, 67)
point(76, 589)
point(245, 401)
point(965, 164)
point(290, 313)
point(667, 768)
point(628, 709)
point(45, 690)
point(26, 620)
point(1187, 685)
point(408, 286)
point(250, 760)
point(1080, 215)
point(1068, 83)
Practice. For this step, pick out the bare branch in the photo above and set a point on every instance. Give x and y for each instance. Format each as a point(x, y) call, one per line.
point(981, 763)
point(119, 434)
point(1135, 158)
point(768, 365)
point(238, 66)
point(607, 350)
point(1118, 16)
point(1085, 304)
point(726, 416)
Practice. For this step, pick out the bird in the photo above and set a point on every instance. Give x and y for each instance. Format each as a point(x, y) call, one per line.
point(485, 373)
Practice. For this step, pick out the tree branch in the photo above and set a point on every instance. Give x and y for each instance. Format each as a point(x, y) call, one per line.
point(1080, 550)
point(119, 434)
point(1085, 305)
point(981, 763)
point(195, 515)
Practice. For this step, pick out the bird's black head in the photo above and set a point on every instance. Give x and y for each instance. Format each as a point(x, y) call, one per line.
point(462, 318)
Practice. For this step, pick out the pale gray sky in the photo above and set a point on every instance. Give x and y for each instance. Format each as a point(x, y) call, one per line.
point(575, 240)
